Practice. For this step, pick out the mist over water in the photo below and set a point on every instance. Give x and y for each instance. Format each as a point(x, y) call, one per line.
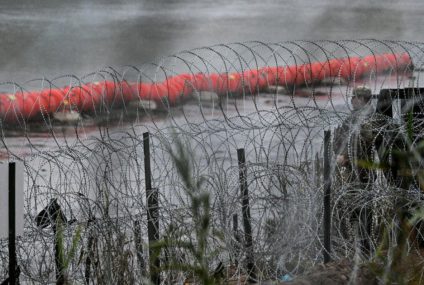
point(51, 38)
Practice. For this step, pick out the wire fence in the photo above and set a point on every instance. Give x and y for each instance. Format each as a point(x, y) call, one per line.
point(87, 157)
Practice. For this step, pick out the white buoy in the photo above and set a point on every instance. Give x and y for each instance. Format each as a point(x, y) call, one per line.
point(206, 96)
point(67, 116)
point(276, 89)
point(144, 104)
point(329, 81)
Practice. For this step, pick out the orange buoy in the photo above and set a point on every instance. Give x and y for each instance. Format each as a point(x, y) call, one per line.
point(90, 96)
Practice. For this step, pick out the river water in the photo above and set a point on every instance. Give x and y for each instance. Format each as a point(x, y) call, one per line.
point(47, 38)
point(52, 38)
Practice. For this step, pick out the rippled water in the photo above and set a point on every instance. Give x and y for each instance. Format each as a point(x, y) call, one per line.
point(52, 38)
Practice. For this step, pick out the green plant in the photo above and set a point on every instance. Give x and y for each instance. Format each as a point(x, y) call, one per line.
point(397, 259)
point(64, 258)
point(394, 262)
point(194, 246)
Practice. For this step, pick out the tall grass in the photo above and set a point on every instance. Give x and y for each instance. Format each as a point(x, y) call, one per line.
point(194, 245)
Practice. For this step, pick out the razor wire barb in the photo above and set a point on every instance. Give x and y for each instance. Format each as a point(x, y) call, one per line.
point(91, 162)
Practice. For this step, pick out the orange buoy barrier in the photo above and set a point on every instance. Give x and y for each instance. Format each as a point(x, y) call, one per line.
point(91, 96)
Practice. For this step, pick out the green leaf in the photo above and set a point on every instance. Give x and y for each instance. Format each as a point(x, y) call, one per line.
point(74, 246)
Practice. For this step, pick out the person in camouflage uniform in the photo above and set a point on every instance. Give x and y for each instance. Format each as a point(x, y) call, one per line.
point(353, 141)
point(353, 145)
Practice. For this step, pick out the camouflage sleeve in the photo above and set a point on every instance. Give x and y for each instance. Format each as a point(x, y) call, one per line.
point(340, 138)
point(367, 132)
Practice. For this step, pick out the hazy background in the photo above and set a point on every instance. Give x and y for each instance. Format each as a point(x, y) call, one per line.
point(51, 38)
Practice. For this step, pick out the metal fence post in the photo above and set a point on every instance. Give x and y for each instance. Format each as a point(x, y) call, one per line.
point(327, 197)
point(152, 214)
point(60, 277)
point(246, 214)
point(90, 242)
point(12, 225)
point(139, 247)
point(236, 238)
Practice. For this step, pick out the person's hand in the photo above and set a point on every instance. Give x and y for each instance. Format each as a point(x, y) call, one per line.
point(341, 160)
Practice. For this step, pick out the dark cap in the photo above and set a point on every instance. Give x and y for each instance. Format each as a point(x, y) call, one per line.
point(362, 92)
